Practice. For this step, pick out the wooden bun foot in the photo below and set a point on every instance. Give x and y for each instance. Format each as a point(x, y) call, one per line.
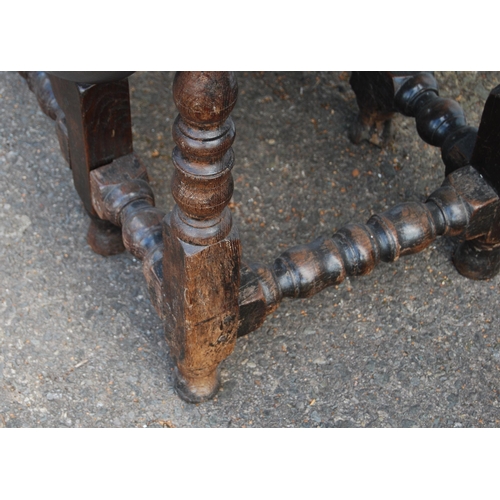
point(105, 238)
point(476, 261)
point(197, 389)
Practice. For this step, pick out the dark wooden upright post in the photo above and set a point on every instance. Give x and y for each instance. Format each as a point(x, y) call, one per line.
point(480, 258)
point(99, 131)
point(202, 248)
point(375, 92)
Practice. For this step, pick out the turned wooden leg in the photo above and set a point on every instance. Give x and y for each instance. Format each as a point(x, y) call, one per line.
point(202, 248)
point(98, 122)
point(440, 122)
point(375, 92)
point(480, 258)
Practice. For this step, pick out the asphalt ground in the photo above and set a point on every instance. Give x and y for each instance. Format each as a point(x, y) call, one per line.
point(414, 344)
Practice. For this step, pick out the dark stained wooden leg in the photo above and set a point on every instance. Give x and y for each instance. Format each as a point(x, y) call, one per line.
point(375, 92)
point(202, 248)
point(440, 121)
point(480, 258)
point(99, 130)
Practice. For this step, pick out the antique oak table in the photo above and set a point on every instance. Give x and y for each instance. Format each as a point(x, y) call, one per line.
point(198, 284)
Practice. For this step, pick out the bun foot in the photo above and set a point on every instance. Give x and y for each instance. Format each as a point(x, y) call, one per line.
point(105, 238)
point(477, 261)
point(197, 389)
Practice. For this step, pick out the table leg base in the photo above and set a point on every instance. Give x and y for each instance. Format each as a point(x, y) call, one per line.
point(105, 238)
point(197, 390)
point(477, 262)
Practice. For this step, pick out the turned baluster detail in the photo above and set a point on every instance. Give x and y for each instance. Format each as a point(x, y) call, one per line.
point(122, 195)
point(202, 248)
point(465, 205)
point(440, 121)
point(375, 97)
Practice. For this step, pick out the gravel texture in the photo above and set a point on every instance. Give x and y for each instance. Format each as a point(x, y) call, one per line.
point(412, 345)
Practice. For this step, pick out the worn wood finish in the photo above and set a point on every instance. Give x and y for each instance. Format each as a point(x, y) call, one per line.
point(202, 248)
point(440, 122)
point(191, 257)
point(122, 195)
point(99, 127)
point(99, 130)
point(464, 206)
point(480, 258)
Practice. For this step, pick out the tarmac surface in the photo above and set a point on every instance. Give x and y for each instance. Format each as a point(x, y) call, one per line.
point(414, 344)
